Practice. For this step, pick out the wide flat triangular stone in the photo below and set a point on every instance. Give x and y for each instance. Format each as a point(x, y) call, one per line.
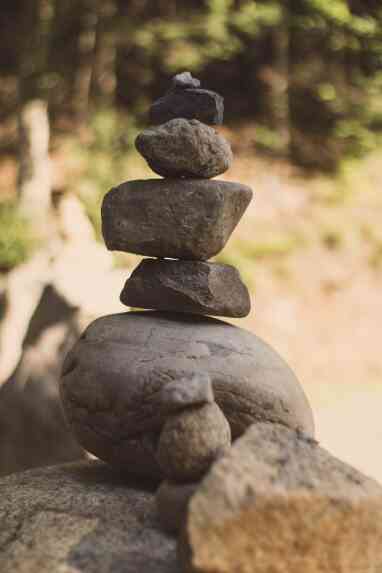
point(187, 286)
point(185, 219)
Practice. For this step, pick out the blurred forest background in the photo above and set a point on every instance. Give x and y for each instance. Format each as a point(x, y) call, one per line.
point(302, 82)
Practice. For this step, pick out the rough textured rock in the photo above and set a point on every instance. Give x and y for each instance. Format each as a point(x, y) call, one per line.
point(184, 81)
point(79, 518)
point(190, 103)
point(113, 376)
point(187, 286)
point(182, 148)
point(188, 219)
point(172, 503)
point(278, 502)
point(191, 441)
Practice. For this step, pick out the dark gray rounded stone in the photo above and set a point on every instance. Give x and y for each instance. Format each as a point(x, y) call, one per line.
point(190, 103)
point(191, 441)
point(113, 378)
point(180, 219)
point(187, 286)
point(81, 518)
point(182, 148)
point(172, 501)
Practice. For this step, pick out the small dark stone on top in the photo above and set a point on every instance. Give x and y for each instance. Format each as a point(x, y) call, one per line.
point(184, 80)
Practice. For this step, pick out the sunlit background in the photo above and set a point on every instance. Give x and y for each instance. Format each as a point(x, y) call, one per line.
point(303, 113)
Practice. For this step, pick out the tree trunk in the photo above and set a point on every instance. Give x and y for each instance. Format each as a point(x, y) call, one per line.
point(103, 77)
point(34, 181)
point(34, 178)
point(86, 58)
point(279, 87)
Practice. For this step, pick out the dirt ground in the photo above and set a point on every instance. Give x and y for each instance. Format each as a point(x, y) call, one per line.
point(320, 304)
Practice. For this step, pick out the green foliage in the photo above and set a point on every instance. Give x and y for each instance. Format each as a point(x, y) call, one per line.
point(17, 241)
point(307, 71)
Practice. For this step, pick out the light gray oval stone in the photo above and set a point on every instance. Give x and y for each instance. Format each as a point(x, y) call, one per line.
point(180, 219)
point(191, 441)
point(187, 286)
point(81, 518)
point(182, 148)
point(113, 376)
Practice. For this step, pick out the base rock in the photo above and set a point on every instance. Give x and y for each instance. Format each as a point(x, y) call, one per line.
point(278, 502)
point(78, 518)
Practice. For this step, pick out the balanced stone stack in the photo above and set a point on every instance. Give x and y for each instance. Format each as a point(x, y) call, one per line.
point(185, 216)
point(165, 394)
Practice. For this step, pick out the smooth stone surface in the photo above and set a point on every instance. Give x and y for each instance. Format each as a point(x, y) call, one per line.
point(81, 518)
point(278, 502)
point(113, 376)
point(172, 503)
point(187, 286)
point(191, 103)
point(182, 148)
point(193, 389)
point(184, 81)
point(186, 219)
point(191, 441)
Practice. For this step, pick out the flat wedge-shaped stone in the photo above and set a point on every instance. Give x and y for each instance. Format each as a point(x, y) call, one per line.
point(193, 103)
point(182, 148)
point(185, 219)
point(278, 502)
point(115, 378)
point(187, 286)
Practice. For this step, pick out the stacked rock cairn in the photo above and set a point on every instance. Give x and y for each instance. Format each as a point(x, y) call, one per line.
point(164, 393)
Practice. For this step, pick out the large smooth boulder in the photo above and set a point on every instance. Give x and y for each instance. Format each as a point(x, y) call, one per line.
point(113, 380)
point(182, 148)
point(81, 518)
point(185, 219)
point(278, 502)
point(187, 286)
